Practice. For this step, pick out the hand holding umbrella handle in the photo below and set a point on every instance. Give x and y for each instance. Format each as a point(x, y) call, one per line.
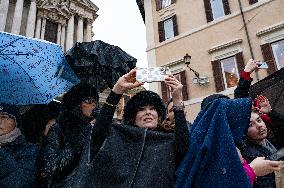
point(126, 82)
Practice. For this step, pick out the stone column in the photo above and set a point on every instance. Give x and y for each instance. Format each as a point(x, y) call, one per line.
point(88, 33)
point(43, 28)
point(38, 27)
point(58, 34)
point(31, 20)
point(80, 30)
point(3, 13)
point(70, 33)
point(17, 19)
point(63, 37)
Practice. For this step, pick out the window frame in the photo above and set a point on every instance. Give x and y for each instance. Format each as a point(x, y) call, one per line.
point(223, 72)
point(164, 5)
point(274, 54)
point(221, 8)
point(168, 30)
point(161, 28)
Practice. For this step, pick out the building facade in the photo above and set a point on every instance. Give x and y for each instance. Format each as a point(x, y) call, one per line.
point(219, 35)
point(59, 21)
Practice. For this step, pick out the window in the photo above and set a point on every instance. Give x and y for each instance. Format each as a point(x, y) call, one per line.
point(167, 29)
point(226, 71)
point(166, 3)
point(215, 9)
point(252, 1)
point(230, 72)
point(163, 3)
point(278, 52)
point(166, 95)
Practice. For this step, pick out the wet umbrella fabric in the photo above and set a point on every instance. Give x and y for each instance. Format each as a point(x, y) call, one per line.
point(32, 71)
point(273, 88)
point(99, 64)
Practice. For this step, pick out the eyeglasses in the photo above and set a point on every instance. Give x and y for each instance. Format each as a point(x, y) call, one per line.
point(89, 100)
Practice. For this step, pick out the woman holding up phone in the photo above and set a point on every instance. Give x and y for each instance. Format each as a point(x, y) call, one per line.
point(139, 153)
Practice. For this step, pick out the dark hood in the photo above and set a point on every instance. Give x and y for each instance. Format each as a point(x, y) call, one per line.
point(212, 159)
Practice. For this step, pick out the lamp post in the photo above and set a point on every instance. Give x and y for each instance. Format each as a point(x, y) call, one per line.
point(198, 79)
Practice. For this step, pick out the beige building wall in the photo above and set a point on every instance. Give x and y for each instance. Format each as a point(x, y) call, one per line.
point(206, 42)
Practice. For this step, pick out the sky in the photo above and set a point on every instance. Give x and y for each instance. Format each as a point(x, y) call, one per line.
point(120, 23)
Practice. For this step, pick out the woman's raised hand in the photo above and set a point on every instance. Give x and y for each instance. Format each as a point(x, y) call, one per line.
point(126, 82)
point(176, 89)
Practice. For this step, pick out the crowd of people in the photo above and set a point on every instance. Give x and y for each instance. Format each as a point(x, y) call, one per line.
point(231, 143)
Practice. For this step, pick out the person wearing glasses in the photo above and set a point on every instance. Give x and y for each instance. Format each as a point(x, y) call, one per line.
point(17, 156)
point(63, 145)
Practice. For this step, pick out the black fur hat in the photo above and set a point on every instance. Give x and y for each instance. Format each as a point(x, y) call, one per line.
point(77, 94)
point(142, 99)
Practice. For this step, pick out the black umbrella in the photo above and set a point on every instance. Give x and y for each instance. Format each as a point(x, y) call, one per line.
point(99, 64)
point(273, 88)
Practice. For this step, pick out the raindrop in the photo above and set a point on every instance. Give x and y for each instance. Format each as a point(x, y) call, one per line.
point(224, 171)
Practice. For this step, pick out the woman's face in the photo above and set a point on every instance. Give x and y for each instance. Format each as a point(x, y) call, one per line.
point(87, 106)
point(147, 117)
point(7, 123)
point(257, 130)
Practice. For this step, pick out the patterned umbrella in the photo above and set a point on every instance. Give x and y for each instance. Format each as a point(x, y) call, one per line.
point(32, 71)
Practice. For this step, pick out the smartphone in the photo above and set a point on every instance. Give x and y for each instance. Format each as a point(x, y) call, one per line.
point(262, 65)
point(153, 74)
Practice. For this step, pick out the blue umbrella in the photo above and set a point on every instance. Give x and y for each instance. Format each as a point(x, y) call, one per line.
point(32, 71)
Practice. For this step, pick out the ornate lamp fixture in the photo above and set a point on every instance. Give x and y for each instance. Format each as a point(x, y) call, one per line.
point(201, 80)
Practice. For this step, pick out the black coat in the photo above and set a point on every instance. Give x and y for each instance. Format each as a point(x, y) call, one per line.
point(18, 164)
point(61, 150)
point(128, 156)
point(276, 127)
point(250, 151)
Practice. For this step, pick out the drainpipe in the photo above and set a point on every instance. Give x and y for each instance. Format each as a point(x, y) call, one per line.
point(247, 35)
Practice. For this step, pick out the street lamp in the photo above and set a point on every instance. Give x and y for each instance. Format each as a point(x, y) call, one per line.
point(201, 80)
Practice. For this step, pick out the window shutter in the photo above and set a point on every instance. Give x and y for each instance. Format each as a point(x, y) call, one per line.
point(226, 7)
point(175, 26)
point(161, 31)
point(268, 57)
point(158, 5)
point(165, 92)
point(174, 1)
point(218, 77)
point(240, 62)
point(252, 1)
point(184, 88)
point(208, 10)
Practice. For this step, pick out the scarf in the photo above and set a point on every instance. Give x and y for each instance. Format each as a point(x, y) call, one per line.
point(11, 136)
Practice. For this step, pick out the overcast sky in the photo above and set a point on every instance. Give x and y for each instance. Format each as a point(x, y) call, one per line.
point(120, 23)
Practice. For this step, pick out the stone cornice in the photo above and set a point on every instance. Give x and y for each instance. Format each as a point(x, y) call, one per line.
point(270, 29)
point(224, 45)
point(173, 63)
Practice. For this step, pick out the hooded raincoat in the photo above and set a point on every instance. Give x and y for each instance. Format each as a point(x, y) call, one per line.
point(212, 159)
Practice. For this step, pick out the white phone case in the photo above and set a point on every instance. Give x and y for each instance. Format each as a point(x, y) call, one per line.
point(154, 74)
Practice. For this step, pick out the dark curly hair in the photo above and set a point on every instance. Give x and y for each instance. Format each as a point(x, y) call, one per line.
point(77, 94)
point(141, 99)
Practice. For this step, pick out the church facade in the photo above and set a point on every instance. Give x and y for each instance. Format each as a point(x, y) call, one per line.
point(59, 21)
